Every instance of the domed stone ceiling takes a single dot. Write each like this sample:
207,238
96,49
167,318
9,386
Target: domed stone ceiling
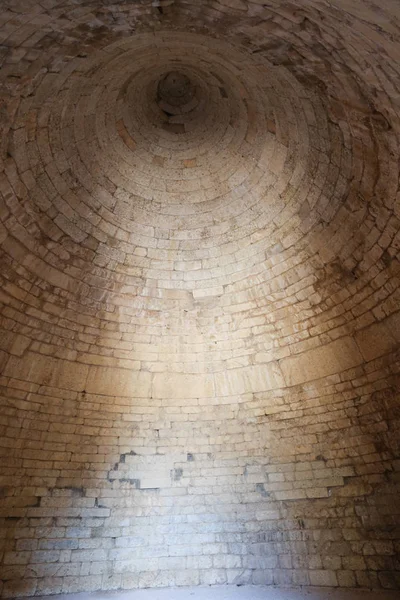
200,293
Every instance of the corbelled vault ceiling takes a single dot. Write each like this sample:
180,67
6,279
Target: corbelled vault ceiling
199,248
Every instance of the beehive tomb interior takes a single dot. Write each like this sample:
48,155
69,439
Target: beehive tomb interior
199,304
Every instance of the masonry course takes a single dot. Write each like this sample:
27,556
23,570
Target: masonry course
199,305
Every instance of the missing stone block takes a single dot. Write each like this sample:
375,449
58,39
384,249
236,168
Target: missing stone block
177,474
260,487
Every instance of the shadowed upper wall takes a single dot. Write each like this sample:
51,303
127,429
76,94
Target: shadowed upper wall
200,320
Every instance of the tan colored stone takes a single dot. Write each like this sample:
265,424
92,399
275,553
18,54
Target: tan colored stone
118,382
48,371
176,385
320,362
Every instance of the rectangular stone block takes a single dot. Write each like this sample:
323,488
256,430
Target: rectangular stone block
177,385
118,382
323,578
82,584
380,338
19,589
47,371
338,356
258,378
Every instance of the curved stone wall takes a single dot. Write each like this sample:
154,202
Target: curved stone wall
199,237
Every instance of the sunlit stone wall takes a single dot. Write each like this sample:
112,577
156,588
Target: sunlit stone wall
200,296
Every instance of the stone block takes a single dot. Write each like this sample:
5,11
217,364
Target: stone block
323,578
329,359
118,382
380,338
249,379
180,386
44,370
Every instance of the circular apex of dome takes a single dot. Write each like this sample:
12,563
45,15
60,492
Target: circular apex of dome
175,88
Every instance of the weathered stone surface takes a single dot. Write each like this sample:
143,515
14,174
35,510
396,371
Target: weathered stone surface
199,294
118,382
47,371
380,338
178,386
249,379
319,362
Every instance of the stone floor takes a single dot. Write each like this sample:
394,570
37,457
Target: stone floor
232,592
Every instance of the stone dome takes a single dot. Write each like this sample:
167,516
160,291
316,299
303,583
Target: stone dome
199,248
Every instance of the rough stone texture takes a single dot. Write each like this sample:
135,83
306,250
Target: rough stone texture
199,297
233,592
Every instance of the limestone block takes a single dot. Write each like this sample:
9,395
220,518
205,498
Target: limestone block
323,578
118,382
44,370
248,379
320,362
14,343
380,338
20,588
187,577
177,385
346,579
